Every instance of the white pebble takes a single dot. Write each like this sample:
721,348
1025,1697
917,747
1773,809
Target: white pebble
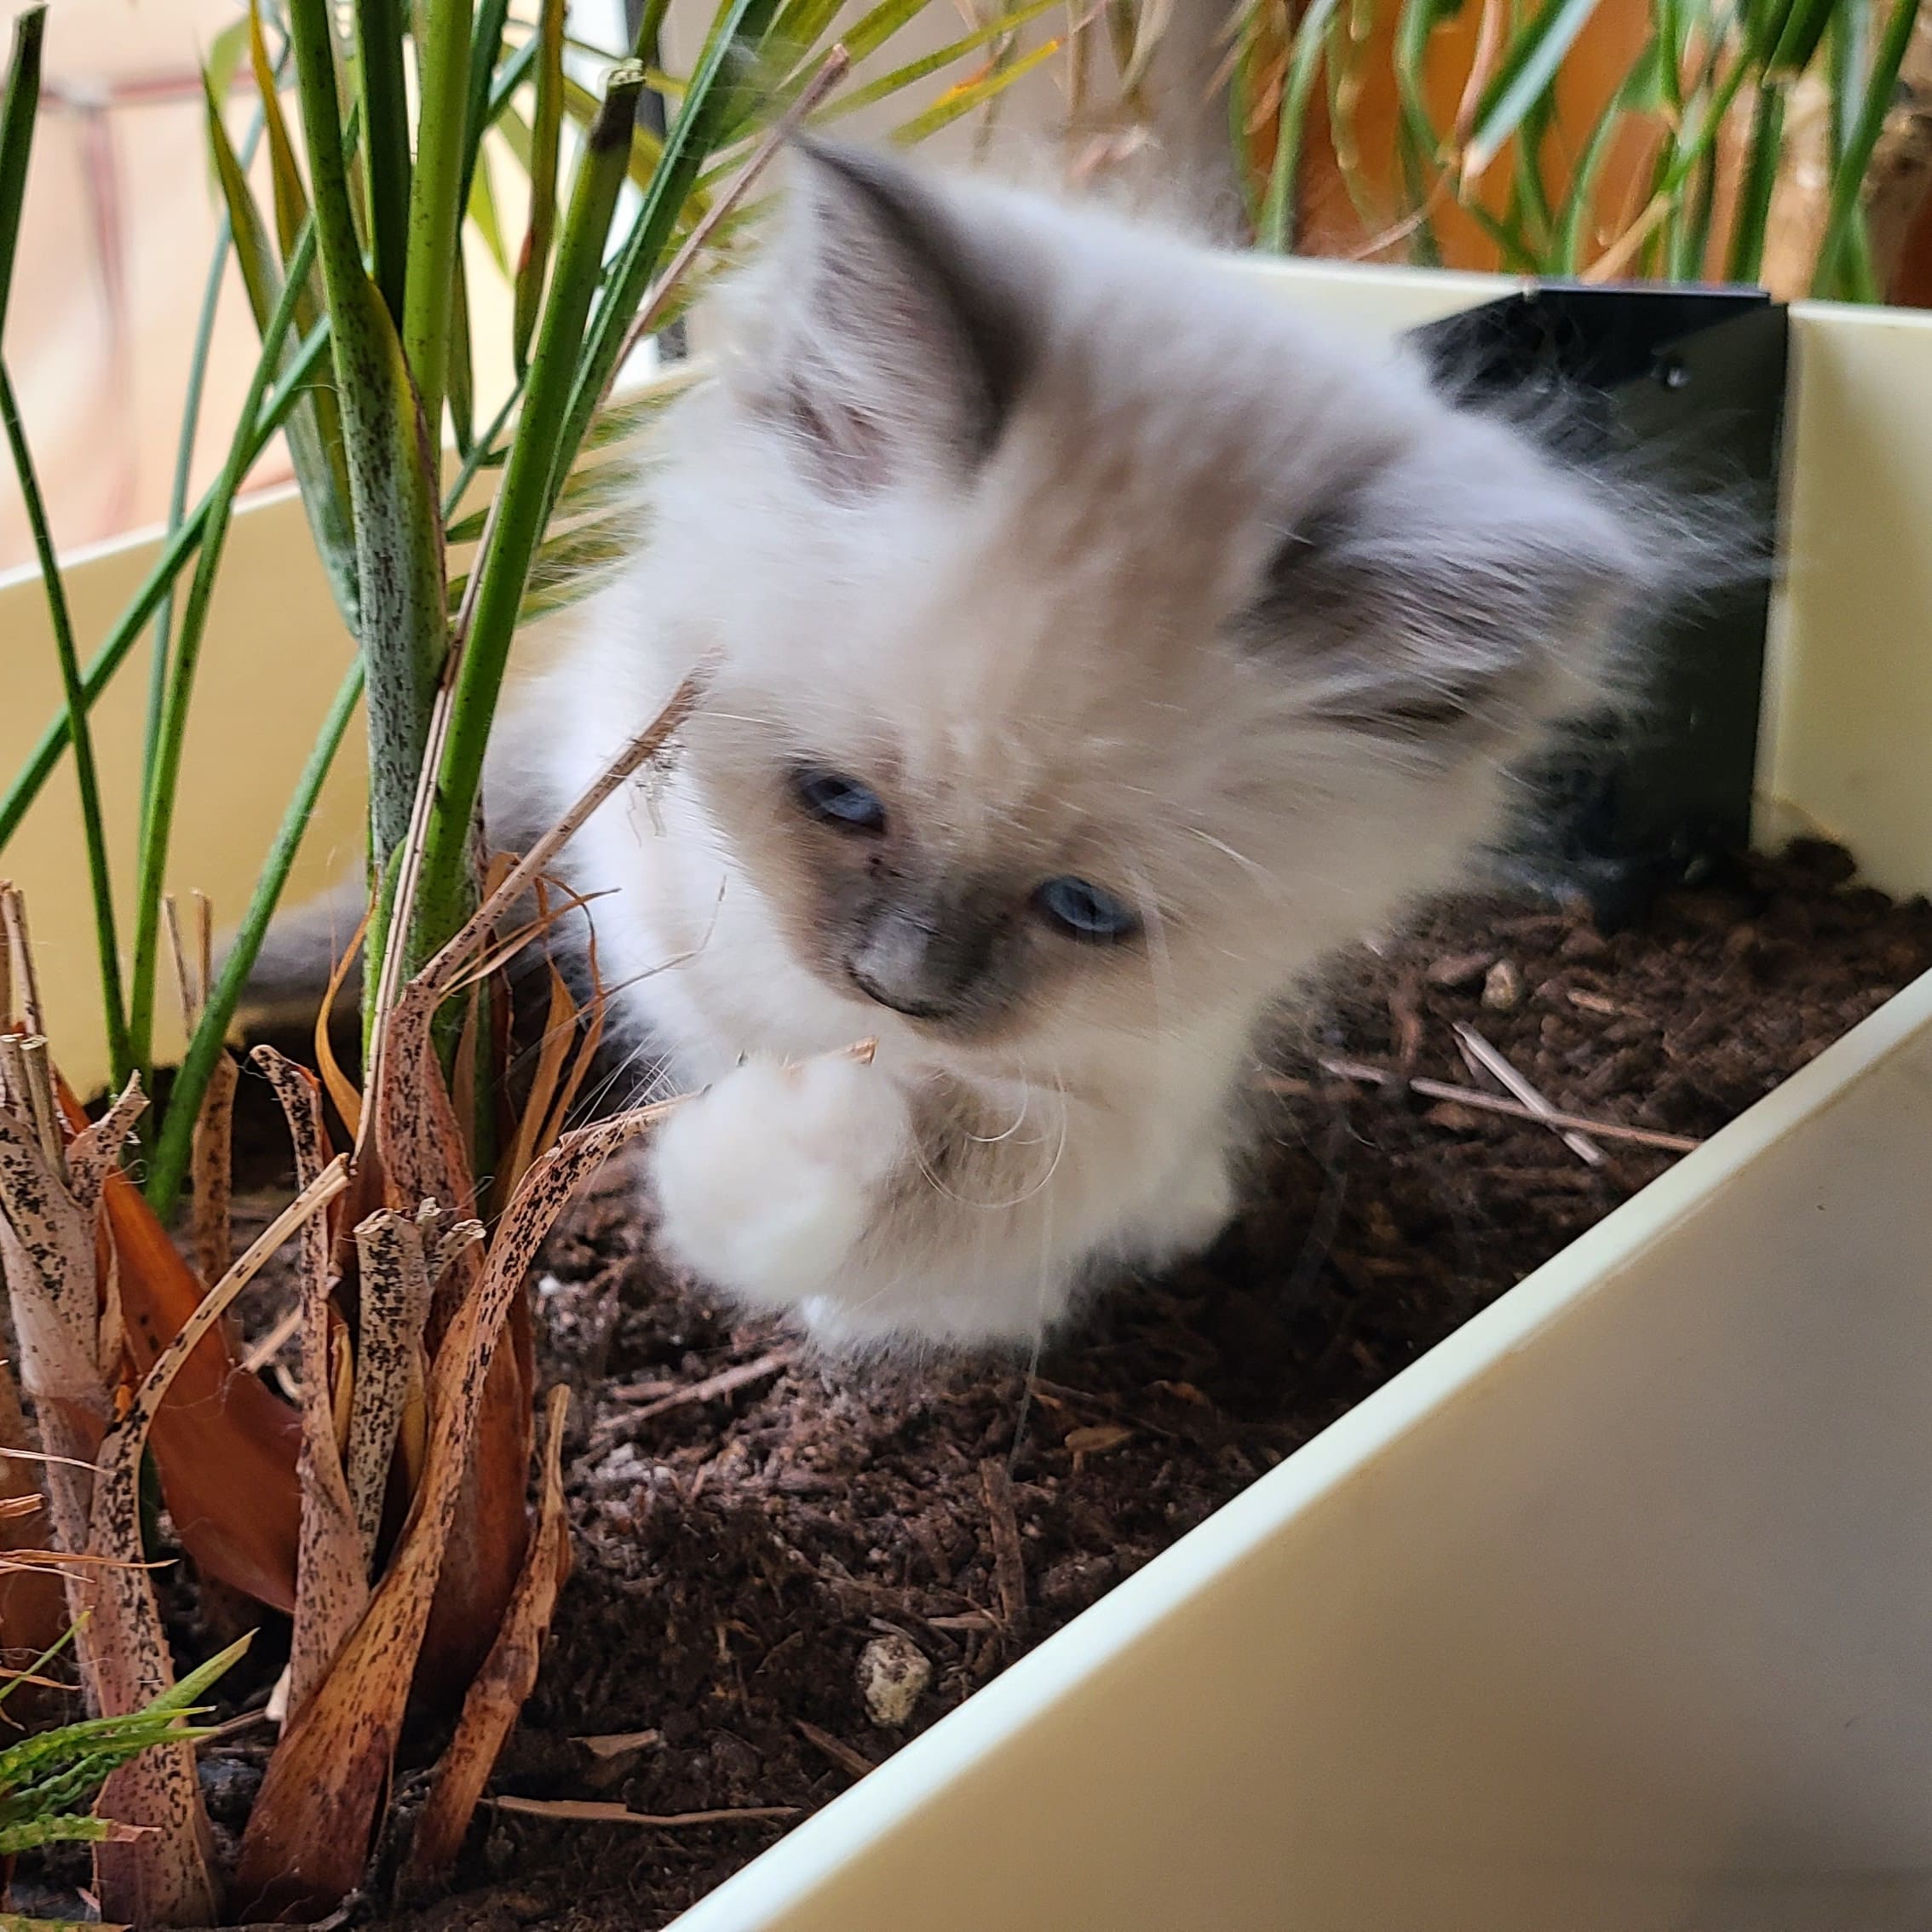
1503,988
893,1671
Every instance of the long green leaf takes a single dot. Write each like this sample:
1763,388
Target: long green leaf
158,814
537,455
1418,147
17,117
16,138
86,775
229,45
1528,67
486,50
546,134
1800,34
461,364
1276,231
319,470
385,123
958,102
483,214
436,198
900,79
1757,182
321,465
800,25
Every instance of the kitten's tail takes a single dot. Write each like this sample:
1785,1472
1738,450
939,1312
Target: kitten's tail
299,956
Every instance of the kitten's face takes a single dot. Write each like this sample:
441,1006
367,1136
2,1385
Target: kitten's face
1112,649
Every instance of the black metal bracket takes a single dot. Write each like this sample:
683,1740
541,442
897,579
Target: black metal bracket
1693,379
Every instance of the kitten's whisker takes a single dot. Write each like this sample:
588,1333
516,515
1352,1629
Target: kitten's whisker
1240,859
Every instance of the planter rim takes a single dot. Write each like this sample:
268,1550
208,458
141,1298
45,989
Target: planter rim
1314,1474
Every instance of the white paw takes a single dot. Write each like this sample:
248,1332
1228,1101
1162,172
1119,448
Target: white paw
766,1182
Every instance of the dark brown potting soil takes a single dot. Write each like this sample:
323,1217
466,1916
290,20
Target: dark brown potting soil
748,1522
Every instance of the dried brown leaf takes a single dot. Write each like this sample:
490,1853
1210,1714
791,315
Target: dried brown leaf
165,1876
307,1841
394,1281
559,1031
1009,1560
95,1151
47,1254
32,1607
332,1586
224,1445
507,1677
213,1163
341,1090
607,1745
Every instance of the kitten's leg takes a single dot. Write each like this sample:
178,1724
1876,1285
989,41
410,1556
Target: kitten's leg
886,1209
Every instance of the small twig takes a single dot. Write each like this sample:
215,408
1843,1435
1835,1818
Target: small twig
636,752
1618,257
1482,65
607,1745
184,977
1485,1058
273,1343
1009,1562
965,1620
840,1753
19,952
831,71
1488,1103
725,1382
592,1811
203,943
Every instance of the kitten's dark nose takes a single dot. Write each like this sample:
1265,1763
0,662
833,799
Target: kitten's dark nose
910,1004
926,958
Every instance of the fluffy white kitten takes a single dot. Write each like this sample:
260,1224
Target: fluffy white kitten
1099,646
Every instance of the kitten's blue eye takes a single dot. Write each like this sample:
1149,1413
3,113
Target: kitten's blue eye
840,802
1083,911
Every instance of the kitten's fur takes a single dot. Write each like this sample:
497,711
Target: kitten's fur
1090,559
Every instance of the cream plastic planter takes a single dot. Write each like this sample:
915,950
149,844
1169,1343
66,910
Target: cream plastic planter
1612,1614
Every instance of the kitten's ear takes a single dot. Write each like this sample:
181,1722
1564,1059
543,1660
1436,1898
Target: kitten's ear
887,348
1444,604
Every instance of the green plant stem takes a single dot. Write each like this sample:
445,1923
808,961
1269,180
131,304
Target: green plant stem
184,460
546,129
1276,229
159,806
17,117
436,199
176,552
175,1146
536,452
385,120
403,615
1756,184
86,775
